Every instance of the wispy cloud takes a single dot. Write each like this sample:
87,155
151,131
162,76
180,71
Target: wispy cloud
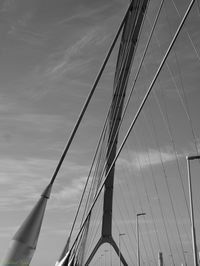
42,122
21,23
8,231
8,5
73,57
30,176
84,14
72,190
22,30
6,103
145,159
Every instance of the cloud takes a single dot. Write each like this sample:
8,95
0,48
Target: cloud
38,132
74,56
84,14
26,173
64,66
22,181
21,23
22,30
156,158
7,231
71,191
144,159
8,5
6,103
43,122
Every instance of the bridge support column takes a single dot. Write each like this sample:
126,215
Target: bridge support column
123,68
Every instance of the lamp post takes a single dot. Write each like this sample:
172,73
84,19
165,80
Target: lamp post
194,245
101,259
185,252
110,256
105,255
137,232
120,234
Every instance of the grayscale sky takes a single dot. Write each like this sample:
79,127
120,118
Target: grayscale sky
50,53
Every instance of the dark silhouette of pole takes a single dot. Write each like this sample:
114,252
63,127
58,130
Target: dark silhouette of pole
160,259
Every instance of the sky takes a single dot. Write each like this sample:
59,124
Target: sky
51,51
50,54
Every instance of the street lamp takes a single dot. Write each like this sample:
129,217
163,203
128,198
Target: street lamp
137,232
194,244
101,259
120,234
105,255
185,252
110,256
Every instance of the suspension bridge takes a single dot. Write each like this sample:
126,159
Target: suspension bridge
140,203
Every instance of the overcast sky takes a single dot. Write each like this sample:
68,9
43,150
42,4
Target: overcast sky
50,53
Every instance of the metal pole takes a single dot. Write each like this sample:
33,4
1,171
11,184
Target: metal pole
137,233
105,255
192,209
101,259
119,252
138,240
110,256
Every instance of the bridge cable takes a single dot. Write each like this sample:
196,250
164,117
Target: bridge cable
147,196
126,58
89,97
167,185
142,209
138,112
138,71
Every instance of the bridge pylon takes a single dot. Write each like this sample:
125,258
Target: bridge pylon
126,53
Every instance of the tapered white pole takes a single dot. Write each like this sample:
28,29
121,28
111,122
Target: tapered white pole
25,240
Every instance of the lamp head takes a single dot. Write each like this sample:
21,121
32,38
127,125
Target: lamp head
141,214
